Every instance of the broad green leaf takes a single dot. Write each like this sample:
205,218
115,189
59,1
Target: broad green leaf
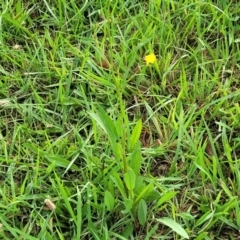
166,196
107,124
176,227
145,192
142,212
128,203
110,187
135,159
119,126
130,179
118,181
128,231
139,185
109,201
153,196
135,135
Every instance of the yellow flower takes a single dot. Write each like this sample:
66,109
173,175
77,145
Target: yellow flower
151,58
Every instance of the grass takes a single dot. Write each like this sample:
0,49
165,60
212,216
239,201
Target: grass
95,144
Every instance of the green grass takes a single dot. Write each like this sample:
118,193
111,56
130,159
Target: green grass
123,150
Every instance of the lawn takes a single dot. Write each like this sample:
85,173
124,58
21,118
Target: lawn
119,119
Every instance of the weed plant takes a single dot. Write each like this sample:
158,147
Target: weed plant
119,119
